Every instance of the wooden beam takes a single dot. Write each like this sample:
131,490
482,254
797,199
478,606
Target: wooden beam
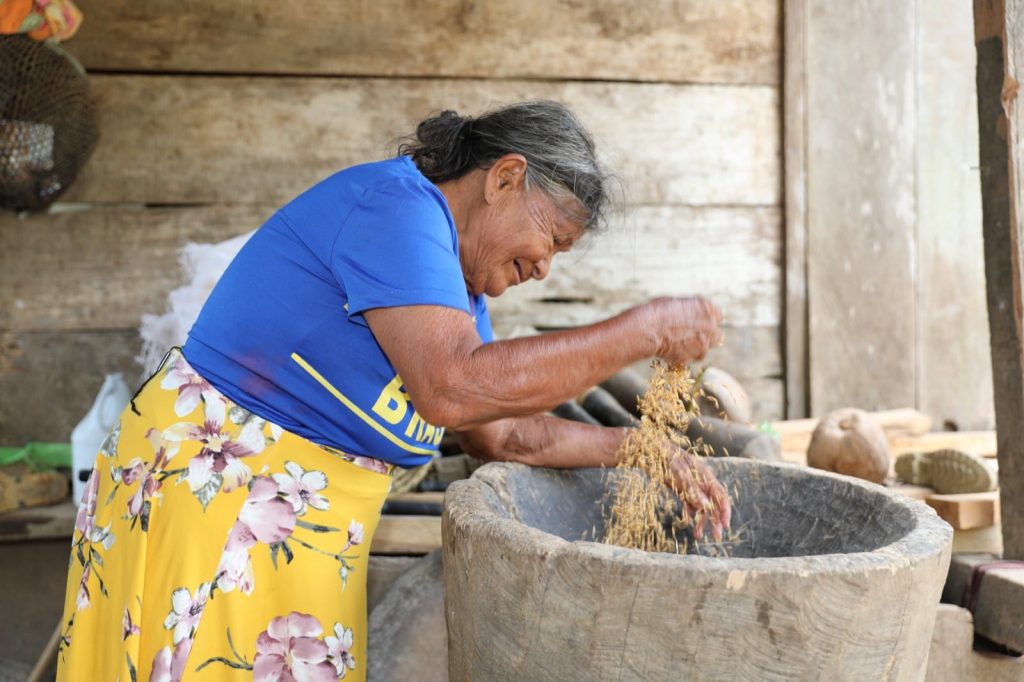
397,534
981,443
727,41
795,434
197,140
794,133
39,523
967,511
999,37
860,203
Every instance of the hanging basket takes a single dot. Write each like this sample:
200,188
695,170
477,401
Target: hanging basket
47,123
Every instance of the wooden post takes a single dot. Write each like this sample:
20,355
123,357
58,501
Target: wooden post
999,38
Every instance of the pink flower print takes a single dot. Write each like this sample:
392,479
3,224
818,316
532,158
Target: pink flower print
186,611
289,649
149,476
370,463
355,533
133,471
340,648
219,461
108,448
82,600
190,386
302,488
101,536
267,516
148,486
127,627
169,667
86,516
235,568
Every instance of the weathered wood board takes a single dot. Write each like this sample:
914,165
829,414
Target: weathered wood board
730,255
795,434
728,41
102,268
860,203
48,380
398,534
111,264
981,443
967,511
794,121
39,523
954,371
213,154
999,37
181,140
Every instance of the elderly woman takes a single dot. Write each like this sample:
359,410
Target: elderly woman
228,520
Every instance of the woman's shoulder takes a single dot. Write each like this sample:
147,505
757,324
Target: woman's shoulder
393,187
399,178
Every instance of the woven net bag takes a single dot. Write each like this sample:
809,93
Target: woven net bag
47,123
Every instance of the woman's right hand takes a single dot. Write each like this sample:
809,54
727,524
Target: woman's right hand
686,328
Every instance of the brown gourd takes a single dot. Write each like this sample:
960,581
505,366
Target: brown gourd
850,442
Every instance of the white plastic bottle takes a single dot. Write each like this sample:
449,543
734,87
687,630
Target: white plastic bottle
88,436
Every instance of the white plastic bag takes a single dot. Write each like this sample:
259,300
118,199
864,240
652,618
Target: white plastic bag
88,436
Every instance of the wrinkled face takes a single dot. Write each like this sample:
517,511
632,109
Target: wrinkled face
513,238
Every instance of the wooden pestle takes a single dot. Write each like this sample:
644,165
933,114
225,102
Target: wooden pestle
605,408
626,386
728,439
571,410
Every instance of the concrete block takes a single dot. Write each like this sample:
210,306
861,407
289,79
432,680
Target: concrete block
952,658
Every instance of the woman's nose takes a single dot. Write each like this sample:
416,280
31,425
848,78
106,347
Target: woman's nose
541,269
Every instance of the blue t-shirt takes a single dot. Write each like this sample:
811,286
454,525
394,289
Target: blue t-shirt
283,334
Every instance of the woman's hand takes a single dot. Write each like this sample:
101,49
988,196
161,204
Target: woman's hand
704,498
687,328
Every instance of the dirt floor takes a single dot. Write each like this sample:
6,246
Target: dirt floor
32,576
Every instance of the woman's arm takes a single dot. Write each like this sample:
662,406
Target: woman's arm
547,441
456,381
543,440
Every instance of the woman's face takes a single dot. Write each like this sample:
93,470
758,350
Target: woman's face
512,234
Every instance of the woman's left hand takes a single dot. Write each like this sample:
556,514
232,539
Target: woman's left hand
705,499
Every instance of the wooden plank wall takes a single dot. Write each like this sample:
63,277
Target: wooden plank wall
211,114
881,131
954,371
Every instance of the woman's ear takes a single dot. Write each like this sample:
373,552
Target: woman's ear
507,175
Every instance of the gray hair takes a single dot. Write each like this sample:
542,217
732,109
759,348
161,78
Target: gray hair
559,152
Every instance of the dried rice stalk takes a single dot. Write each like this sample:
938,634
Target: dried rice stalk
644,507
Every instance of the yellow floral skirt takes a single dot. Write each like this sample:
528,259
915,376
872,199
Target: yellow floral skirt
212,544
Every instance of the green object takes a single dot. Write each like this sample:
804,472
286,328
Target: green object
766,427
39,456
